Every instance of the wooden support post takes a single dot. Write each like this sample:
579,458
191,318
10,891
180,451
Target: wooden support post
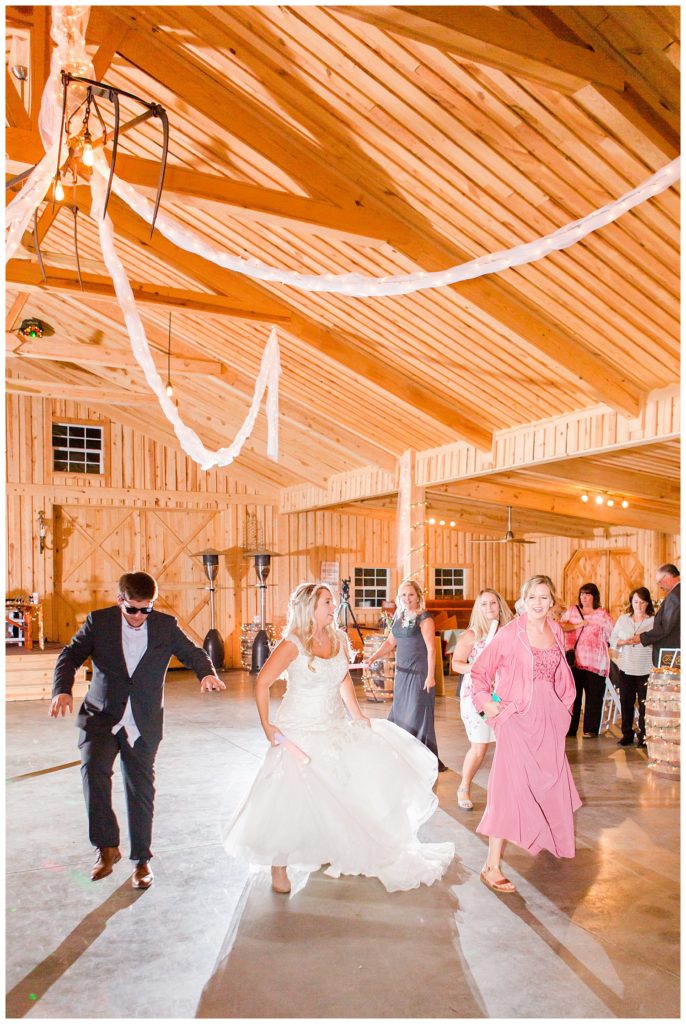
411,523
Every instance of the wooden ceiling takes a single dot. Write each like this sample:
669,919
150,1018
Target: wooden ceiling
380,140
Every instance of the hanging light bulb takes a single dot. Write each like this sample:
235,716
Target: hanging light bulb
599,499
584,498
58,191
169,389
441,522
452,522
625,504
610,503
87,155
432,522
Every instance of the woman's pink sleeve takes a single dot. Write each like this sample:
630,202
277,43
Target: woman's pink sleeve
483,671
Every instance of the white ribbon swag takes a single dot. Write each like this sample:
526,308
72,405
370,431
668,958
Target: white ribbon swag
68,33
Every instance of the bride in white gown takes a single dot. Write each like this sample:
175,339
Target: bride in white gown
359,800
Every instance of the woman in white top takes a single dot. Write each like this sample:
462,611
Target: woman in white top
489,613
635,663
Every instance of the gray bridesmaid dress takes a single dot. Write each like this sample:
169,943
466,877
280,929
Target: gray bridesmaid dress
413,707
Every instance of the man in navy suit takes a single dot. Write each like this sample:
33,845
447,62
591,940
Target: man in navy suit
130,646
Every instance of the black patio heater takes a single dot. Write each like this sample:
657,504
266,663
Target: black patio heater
260,646
213,643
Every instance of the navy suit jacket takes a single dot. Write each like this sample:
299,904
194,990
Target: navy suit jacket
666,631
111,686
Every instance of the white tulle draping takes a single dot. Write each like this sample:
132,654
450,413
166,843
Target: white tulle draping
270,367
360,286
68,33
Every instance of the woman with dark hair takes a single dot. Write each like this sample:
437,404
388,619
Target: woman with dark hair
635,662
587,629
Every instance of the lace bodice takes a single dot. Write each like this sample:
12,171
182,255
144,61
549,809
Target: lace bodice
312,698
546,660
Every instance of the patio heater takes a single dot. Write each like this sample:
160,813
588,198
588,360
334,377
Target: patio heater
213,643
260,646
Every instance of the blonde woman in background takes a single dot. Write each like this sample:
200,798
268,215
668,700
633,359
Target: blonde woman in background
490,611
531,793
414,689
335,788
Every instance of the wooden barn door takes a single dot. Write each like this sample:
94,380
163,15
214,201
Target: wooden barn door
95,545
615,571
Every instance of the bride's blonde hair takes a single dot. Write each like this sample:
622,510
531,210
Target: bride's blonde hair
301,624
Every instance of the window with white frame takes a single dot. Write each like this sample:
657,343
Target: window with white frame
77,448
450,582
371,587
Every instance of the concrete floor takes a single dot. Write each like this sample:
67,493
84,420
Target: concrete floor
595,937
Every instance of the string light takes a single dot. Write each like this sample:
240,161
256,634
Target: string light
58,191
604,499
359,285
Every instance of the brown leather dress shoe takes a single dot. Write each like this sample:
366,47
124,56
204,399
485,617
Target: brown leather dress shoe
142,876
107,858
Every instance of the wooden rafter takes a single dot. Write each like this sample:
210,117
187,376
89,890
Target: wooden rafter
267,134
490,37
554,502
27,276
63,350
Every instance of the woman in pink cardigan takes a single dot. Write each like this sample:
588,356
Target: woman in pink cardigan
531,794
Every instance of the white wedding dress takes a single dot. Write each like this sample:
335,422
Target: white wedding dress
357,805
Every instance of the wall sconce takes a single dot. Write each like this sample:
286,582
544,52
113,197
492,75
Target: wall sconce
42,530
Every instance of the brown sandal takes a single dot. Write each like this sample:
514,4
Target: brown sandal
500,886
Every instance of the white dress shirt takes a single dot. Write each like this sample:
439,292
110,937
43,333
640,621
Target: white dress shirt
634,660
134,642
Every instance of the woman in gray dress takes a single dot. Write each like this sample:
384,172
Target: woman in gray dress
414,690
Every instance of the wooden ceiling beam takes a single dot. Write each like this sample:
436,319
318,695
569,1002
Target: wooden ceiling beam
77,392
12,320
497,40
40,54
581,473
196,188
253,202
62,349
27,275
565,505
291,151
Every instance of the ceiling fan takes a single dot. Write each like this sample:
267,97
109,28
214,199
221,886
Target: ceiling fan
509,537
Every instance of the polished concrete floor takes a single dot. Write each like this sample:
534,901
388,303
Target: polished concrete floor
594,937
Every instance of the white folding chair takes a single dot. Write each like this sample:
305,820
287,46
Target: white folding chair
611,707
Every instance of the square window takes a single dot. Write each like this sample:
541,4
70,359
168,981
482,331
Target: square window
371,587
450,582
77,448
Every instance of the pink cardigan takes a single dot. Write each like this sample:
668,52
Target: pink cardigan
509,660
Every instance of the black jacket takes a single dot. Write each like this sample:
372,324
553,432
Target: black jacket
666,631
111,686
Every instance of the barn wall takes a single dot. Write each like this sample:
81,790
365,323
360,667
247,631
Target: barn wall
155,509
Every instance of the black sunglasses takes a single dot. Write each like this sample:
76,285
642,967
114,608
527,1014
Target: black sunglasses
137,611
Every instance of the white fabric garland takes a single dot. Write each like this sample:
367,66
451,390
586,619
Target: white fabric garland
360,285
68,32
270,367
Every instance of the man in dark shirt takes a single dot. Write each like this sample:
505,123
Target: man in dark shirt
666,631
